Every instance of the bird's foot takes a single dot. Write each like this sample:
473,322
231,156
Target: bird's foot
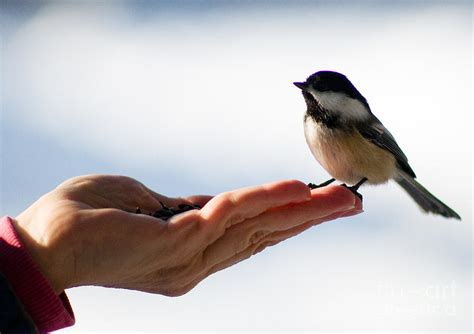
315,186
355,187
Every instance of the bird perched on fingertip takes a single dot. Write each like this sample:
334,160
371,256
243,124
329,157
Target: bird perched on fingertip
352,145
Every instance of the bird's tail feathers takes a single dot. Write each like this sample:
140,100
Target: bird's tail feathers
426,200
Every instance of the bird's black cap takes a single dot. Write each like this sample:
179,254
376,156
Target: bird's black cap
325,81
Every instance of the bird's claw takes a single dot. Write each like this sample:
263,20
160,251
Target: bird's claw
353,190
312,186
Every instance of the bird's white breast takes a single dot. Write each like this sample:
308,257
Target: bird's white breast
346,155
317,137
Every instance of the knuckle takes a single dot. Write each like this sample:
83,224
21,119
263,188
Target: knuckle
229,205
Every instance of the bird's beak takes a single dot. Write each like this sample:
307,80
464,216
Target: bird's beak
301,85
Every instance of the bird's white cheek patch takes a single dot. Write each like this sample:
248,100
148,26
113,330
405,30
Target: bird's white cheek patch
339,103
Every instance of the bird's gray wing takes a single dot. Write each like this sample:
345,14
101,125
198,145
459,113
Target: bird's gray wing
378,134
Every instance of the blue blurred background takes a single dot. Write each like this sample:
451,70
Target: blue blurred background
196,97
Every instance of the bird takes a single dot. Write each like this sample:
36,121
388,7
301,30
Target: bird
353,145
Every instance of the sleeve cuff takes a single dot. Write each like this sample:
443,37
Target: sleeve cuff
48,311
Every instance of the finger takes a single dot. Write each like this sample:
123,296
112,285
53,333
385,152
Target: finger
230,208
243,255
235,206
238,238
264,241
257,247
286,234
324,203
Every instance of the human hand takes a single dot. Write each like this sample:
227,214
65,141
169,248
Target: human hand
85,231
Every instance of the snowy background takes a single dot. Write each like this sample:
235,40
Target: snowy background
197,97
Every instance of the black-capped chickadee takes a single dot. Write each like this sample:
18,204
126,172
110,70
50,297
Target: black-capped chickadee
352,144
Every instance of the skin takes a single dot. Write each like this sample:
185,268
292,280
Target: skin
85,231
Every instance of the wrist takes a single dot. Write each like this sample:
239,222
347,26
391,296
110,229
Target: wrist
38,245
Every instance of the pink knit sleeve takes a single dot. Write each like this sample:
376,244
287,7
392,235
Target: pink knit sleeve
48,311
